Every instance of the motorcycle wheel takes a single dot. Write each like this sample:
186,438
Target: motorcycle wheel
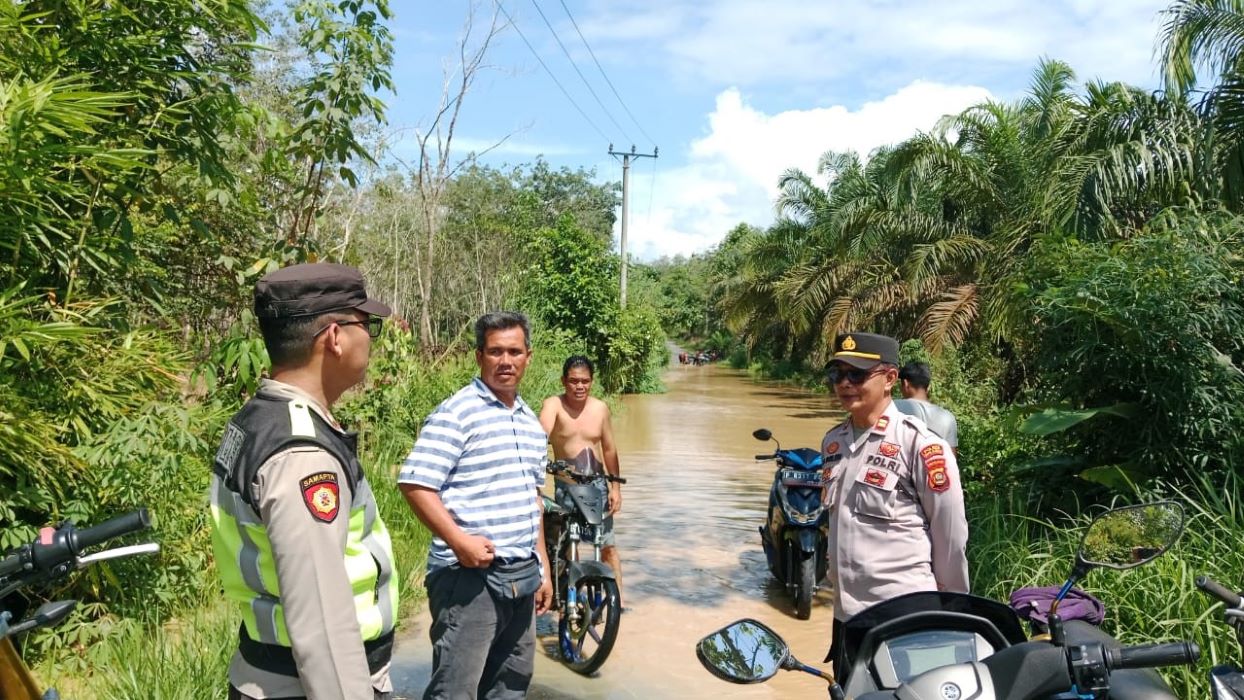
586,643
805,587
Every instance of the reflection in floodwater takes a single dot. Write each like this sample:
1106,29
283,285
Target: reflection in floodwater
689,541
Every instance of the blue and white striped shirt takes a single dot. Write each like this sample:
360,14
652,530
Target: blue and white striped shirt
486,461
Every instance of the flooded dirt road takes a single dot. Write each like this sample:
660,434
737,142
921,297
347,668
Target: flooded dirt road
687,535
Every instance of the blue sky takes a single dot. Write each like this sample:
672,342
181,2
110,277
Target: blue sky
736,91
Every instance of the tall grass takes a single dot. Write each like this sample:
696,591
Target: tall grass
1152,603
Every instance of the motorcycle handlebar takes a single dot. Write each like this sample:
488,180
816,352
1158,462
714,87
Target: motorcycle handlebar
769,456
1154,655
118,526
1219,591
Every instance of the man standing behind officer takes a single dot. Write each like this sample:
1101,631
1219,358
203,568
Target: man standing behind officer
896,517
295,528
914,379
474,479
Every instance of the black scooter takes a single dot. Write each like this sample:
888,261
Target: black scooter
952,646
795,530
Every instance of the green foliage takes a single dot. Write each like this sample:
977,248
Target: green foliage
1155,324
572,289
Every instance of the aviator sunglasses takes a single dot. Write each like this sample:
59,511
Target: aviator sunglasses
854,375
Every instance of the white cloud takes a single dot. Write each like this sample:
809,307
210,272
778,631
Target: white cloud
744,42
731,173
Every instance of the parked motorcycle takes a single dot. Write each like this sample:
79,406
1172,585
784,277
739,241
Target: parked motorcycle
1227,680
948,646
795,529
585,589
55,554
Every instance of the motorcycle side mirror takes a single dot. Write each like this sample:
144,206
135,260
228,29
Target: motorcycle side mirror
1124,538
762,434
47,614
744,652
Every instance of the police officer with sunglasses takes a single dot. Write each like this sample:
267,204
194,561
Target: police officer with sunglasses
895,500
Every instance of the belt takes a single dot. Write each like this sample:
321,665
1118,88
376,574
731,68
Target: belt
509,561
275,658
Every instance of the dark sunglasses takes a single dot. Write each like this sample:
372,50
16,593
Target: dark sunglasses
854,375
373,324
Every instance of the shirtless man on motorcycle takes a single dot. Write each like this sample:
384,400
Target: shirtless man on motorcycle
581,433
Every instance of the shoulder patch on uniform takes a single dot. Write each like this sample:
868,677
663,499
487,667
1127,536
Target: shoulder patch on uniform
931,451
322,495
832,447
230,447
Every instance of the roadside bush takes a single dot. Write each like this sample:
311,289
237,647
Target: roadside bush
1153,329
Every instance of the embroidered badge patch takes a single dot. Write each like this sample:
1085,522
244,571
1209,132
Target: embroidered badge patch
888,449
931,451
831,447
874,477
322,495
935,465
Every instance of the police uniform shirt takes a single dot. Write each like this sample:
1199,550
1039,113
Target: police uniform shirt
896,516
315,589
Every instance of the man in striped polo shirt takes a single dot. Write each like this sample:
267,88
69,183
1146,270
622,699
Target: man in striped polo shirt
474,479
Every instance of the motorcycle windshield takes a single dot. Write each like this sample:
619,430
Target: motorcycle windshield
1000,615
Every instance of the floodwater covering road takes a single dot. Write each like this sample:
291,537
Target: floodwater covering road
687,535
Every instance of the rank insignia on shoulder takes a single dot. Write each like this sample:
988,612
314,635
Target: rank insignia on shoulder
882,423
888,449
322,496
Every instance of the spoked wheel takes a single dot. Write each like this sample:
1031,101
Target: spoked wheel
587,639
805,587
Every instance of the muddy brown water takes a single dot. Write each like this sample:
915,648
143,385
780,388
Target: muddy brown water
687,535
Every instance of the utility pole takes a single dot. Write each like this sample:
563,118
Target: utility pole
626,179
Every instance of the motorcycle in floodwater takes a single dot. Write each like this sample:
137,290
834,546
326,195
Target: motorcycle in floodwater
55,554
585,590
795,531
953,646
1227,680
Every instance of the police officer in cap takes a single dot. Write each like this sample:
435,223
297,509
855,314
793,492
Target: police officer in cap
298,541
895,501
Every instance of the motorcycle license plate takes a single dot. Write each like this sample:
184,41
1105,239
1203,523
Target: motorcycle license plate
799,477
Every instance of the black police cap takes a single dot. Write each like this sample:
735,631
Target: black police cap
865,350
312,289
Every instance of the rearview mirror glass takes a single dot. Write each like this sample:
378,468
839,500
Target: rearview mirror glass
1122,538
744,652
762,434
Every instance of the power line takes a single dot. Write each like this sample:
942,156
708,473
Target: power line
604,75
546,70
575,65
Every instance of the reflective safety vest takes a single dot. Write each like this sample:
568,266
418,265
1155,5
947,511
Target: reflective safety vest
265,426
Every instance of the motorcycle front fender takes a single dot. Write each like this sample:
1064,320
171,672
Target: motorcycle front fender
580,570
806,538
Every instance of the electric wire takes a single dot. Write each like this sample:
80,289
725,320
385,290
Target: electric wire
549,72
575,65
604,75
